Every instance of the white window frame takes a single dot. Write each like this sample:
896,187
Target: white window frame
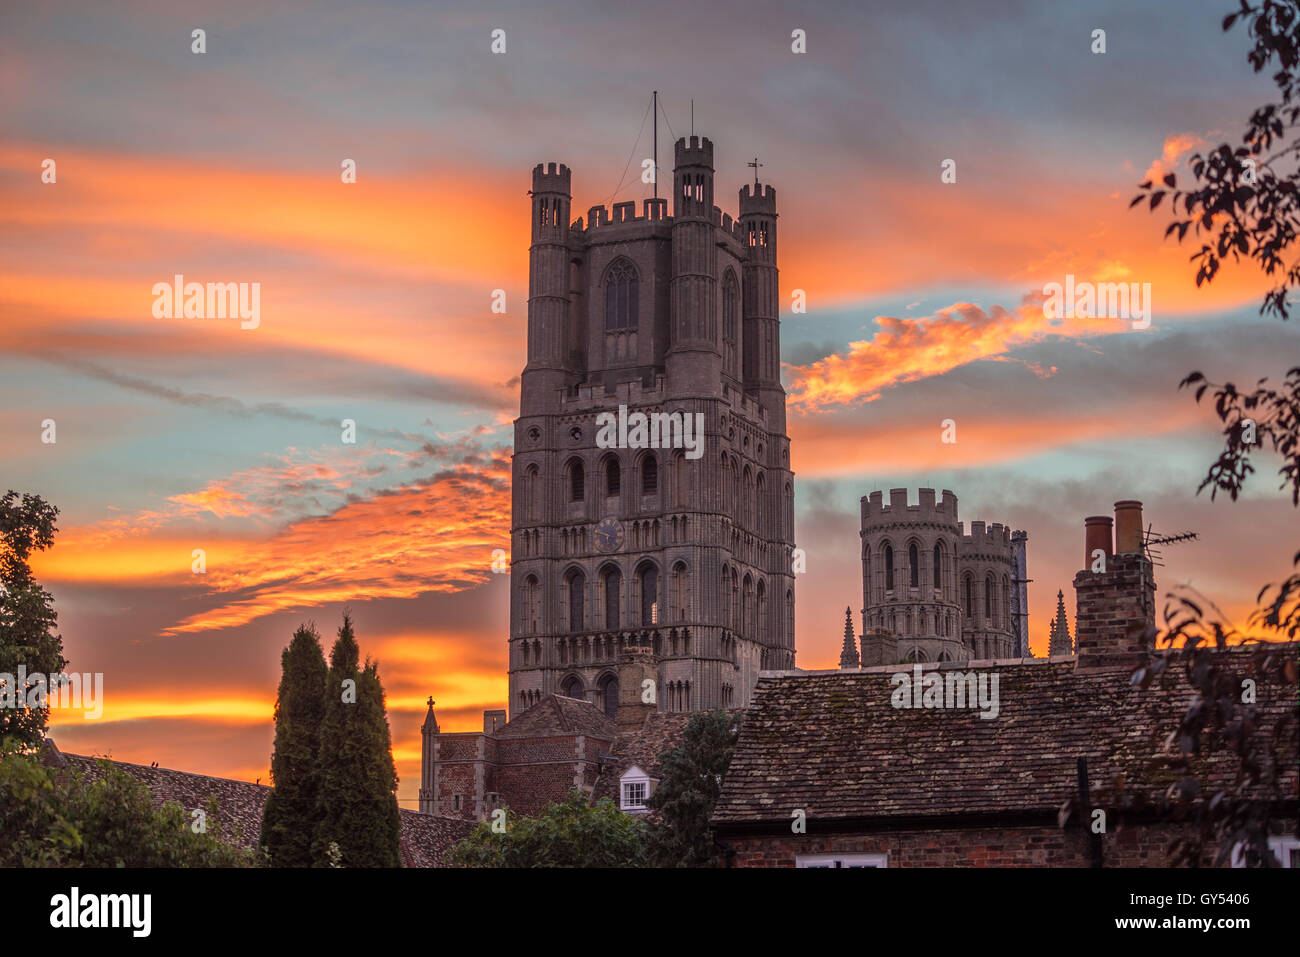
629,778
841,860
1281,847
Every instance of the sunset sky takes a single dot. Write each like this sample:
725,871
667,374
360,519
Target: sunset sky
924,303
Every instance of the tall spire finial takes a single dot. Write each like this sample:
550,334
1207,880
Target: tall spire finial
1059,641
849,656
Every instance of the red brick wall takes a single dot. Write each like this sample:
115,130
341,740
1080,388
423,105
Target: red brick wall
527,773
1113,610
1134,846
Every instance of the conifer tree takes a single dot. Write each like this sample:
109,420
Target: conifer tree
357,798
690,782
28,645
290,818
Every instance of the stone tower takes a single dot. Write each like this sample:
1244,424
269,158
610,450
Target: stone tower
938,593
679,548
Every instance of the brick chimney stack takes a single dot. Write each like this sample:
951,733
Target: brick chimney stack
1114,617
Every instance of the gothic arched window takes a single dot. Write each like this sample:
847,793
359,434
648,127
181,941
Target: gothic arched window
620,296
730,320
613,584
577,609
938,567
889,568
966,588
531,604
609,695
867,590
913,567
577,481
530,509
649,475
989,610
649,595
747,607
680,597
572,688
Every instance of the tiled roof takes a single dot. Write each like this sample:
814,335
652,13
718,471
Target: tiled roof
831,744
661,732
239,803
556,715
425,838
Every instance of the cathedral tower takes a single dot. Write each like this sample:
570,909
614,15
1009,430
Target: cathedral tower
673,542
930,591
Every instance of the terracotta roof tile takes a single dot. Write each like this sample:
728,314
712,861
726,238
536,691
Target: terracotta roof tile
425,838
831,744
557,715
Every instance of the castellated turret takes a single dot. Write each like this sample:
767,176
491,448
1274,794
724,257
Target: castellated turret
680,547
930,590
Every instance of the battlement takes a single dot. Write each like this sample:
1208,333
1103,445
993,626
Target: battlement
748,408
554,178
761,202
876,512
696,151
654,210
996,537
594,397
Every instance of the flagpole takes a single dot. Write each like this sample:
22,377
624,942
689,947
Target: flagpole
656,139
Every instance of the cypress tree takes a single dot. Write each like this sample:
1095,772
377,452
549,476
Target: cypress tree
289,820
357,799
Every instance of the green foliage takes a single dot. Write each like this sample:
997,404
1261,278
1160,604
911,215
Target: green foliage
291,815
27,616
1244,202
571,833
357,796
689,784
69,819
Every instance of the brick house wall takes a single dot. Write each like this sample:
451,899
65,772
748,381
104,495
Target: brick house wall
1044,845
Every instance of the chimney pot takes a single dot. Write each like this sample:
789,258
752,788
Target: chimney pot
1096,534
1128,527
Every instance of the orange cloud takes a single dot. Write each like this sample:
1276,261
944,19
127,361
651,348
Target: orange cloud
905,350
1176,146
435,534
116,223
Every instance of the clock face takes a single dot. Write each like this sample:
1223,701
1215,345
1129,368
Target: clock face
609,535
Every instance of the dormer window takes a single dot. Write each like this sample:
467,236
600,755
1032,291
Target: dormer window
635,788
634,795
